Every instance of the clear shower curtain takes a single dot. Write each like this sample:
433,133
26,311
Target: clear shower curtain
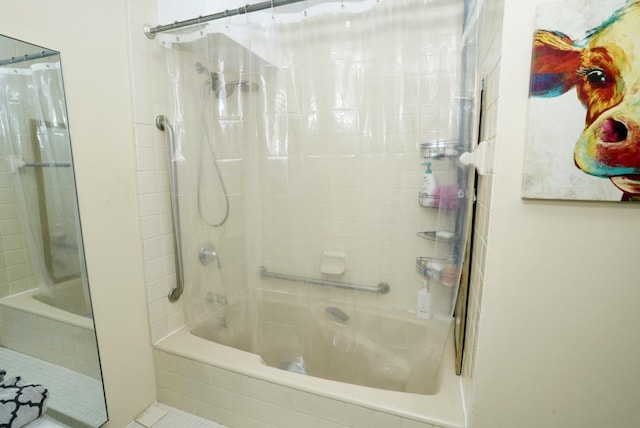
35,147
306,125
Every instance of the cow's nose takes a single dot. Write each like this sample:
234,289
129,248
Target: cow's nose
612,131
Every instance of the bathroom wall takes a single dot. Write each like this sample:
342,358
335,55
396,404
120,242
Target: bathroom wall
556,336
151,97
91,37
345,178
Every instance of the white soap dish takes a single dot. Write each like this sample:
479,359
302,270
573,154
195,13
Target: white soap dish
333,263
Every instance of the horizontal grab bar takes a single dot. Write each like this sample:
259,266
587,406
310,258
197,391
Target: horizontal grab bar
47,164
16,164
382,287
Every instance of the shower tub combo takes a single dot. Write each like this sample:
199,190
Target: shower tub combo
316,146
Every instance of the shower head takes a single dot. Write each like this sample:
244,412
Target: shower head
226,90
213,77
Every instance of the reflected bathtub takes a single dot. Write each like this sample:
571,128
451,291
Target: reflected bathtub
344,364
33,327
68,296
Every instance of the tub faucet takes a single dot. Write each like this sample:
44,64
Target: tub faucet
208,254
337,314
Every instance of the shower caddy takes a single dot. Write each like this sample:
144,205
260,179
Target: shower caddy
442,270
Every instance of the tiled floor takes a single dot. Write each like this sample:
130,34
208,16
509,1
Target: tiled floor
46,422
170,417
73,395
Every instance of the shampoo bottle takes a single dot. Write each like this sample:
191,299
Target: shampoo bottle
424,302
427,187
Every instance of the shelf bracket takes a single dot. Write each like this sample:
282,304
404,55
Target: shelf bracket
481,158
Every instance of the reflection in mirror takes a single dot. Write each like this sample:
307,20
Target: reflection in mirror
47,335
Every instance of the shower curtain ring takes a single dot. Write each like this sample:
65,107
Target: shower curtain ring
246,12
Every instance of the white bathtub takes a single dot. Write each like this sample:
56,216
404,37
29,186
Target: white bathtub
435,400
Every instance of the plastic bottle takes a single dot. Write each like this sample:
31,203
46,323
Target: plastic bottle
423,309
448,274
427,187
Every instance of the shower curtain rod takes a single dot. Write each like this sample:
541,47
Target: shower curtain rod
27,57
151,31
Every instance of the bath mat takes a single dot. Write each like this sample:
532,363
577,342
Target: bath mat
21,403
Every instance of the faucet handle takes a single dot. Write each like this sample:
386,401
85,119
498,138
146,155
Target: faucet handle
208,254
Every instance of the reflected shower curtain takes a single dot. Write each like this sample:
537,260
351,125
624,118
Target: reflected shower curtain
299,133
35,149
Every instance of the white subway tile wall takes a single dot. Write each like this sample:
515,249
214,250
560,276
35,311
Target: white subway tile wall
150,92
489,44
16,272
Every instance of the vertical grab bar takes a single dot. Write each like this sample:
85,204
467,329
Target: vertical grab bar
162,123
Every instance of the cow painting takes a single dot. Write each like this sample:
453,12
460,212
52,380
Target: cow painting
603,71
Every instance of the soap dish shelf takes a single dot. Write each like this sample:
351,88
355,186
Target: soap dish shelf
440,149
446,202
438,235
439,270
426,266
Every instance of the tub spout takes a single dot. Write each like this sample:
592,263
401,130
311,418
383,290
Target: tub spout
337,313
221,322
219,299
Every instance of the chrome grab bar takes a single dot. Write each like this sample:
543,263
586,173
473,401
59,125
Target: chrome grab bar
47,164
381,288
162,123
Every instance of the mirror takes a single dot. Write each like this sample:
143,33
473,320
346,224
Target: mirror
47,335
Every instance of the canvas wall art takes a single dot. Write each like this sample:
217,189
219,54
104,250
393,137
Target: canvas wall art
584,102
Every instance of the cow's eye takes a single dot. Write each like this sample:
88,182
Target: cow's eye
595,76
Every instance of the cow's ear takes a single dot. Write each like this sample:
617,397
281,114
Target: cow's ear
555,61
